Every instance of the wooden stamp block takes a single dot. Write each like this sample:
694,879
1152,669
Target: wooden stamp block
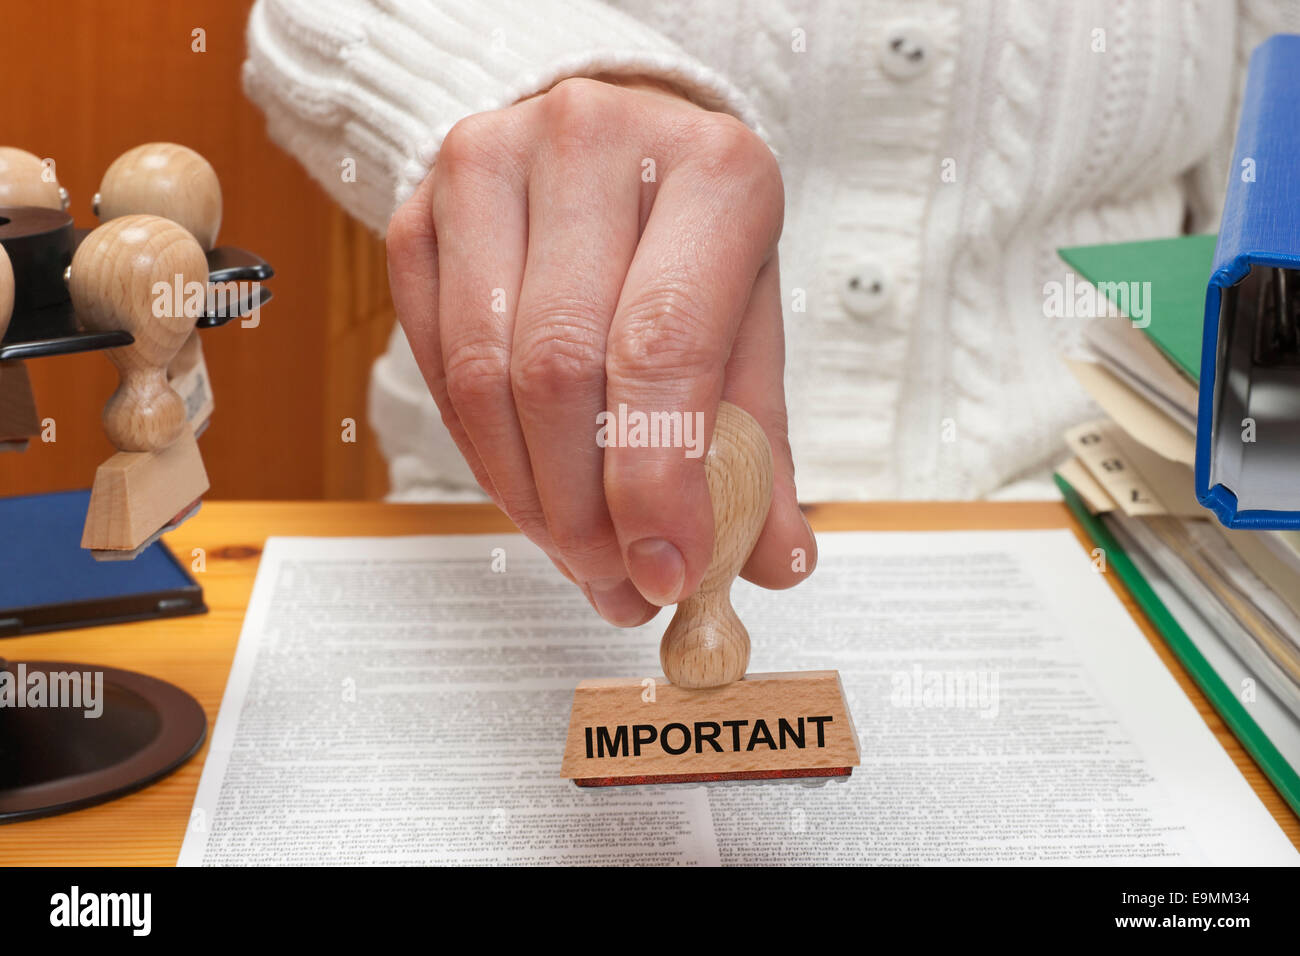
136,493
626,731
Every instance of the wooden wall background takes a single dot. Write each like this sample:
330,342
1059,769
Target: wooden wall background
85,80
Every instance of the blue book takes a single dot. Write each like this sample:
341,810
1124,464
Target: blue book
49,582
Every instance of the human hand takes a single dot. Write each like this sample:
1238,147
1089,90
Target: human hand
603,245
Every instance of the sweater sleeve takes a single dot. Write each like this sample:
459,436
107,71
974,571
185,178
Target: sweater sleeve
362,92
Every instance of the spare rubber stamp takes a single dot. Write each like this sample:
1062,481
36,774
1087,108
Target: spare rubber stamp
709,721
157,477
73,290
175,182
24,181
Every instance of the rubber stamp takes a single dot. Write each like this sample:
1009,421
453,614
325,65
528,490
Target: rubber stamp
707,720
157,477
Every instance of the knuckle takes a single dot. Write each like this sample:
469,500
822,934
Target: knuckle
764,181
663,337
728,142
565,350
405,228
409,241
576,100
585,546
464,144
476,377
577,108
731,152
477,147
525,511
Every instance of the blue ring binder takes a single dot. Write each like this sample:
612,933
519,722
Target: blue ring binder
1248,413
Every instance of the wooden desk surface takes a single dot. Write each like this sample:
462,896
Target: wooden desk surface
146,828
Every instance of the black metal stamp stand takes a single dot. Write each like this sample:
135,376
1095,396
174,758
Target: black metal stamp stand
54,759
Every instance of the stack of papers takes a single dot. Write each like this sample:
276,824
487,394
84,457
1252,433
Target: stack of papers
1228,602
406,700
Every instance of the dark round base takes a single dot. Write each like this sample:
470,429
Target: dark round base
56,759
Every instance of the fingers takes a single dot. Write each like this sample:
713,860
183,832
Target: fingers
412,246
786,550
583,213
714,223
480,207
558,287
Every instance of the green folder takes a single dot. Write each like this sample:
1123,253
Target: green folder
1239,721
1178,270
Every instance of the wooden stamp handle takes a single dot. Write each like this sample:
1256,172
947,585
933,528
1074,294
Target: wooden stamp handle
139,273
706,645
25,181
167,180
6,292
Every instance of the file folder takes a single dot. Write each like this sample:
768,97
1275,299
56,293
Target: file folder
1248,413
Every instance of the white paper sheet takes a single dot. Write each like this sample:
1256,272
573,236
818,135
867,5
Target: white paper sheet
399,700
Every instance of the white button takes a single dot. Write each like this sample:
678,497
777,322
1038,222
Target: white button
907,51
865,290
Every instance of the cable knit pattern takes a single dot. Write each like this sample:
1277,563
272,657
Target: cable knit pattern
984,339
936,153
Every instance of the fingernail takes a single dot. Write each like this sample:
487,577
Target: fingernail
658,570
618,601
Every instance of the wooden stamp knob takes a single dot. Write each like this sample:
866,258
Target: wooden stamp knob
139,273
163,179
24,181
6,291
706,645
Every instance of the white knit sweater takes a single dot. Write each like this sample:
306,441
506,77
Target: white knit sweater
936,153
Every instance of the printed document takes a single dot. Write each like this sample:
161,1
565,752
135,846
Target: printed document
405,701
